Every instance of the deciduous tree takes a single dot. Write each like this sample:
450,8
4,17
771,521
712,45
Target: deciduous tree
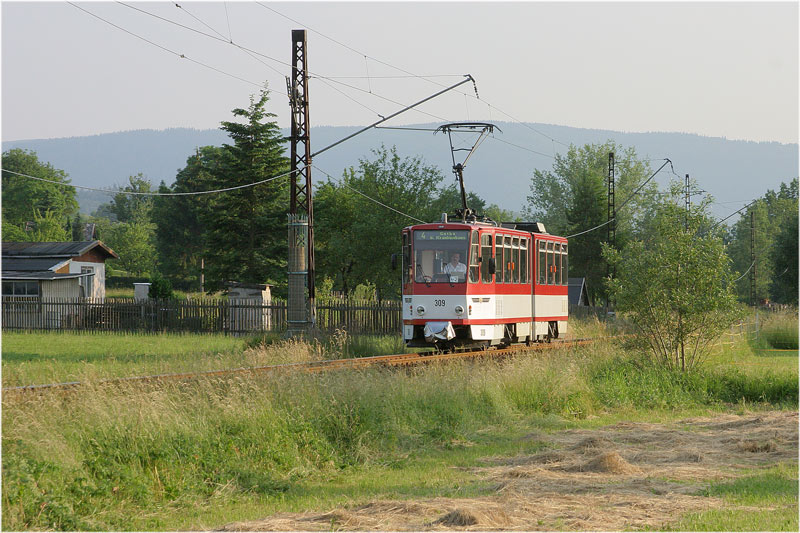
357,236
573,197
785,257
24,197
676,286
770,214
131,207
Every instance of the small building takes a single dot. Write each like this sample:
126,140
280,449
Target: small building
55,269
249,309
577,294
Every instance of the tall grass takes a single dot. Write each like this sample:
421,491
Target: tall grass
780,331
140,455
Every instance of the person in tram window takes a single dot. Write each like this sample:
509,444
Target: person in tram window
455,267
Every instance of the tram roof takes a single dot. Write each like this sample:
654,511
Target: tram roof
523,228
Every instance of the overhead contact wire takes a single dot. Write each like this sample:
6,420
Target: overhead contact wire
341,182
748,270
250,51
634,193
164,48
426,78
133,193
228,40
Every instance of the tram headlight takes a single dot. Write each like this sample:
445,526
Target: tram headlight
420,309
459,310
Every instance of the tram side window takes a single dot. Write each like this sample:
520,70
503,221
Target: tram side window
486,254
542,263
515,264
557,264
551,263
508,259
474,267
564,265
498,257
523,260
406,259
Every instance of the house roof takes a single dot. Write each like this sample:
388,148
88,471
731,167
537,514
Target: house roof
576,291
54,249
32,264
15,275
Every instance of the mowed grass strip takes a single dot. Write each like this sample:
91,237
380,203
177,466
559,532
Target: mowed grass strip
199,454
760,501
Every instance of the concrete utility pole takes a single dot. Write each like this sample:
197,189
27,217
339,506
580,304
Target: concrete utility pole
612,218
688,201
302,312
753,300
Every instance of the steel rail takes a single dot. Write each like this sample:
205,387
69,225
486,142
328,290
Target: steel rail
396,360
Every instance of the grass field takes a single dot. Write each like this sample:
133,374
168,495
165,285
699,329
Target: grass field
761,500
32,358
202,454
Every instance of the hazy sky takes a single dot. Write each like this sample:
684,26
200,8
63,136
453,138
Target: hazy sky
718,69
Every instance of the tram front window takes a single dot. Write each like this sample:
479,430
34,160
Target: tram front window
440,256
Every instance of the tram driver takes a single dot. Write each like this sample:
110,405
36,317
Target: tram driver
455,267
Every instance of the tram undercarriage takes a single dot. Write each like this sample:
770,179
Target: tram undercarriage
446,336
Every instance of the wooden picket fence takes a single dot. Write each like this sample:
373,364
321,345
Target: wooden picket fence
207,315
202,315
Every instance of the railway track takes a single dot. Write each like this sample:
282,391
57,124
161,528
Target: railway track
409,359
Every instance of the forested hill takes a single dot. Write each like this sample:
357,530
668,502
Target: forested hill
499,171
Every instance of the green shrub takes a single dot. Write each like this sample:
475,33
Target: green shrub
160,287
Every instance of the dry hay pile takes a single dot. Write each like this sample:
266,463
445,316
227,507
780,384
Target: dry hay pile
481,516
625,476
609,463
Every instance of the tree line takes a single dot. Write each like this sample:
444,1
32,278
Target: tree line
241,235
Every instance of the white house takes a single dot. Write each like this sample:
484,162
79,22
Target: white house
55,269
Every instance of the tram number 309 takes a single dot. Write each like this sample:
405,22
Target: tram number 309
438,303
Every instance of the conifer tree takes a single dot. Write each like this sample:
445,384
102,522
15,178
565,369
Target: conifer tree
246,228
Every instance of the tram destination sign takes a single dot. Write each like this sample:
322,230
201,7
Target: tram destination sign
441,235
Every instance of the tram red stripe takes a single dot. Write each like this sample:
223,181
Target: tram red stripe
483,321
484,289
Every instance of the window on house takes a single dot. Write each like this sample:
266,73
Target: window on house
87,282
21,288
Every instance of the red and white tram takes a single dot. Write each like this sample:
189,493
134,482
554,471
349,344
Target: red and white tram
482,284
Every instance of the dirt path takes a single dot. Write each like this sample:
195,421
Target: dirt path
628,475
